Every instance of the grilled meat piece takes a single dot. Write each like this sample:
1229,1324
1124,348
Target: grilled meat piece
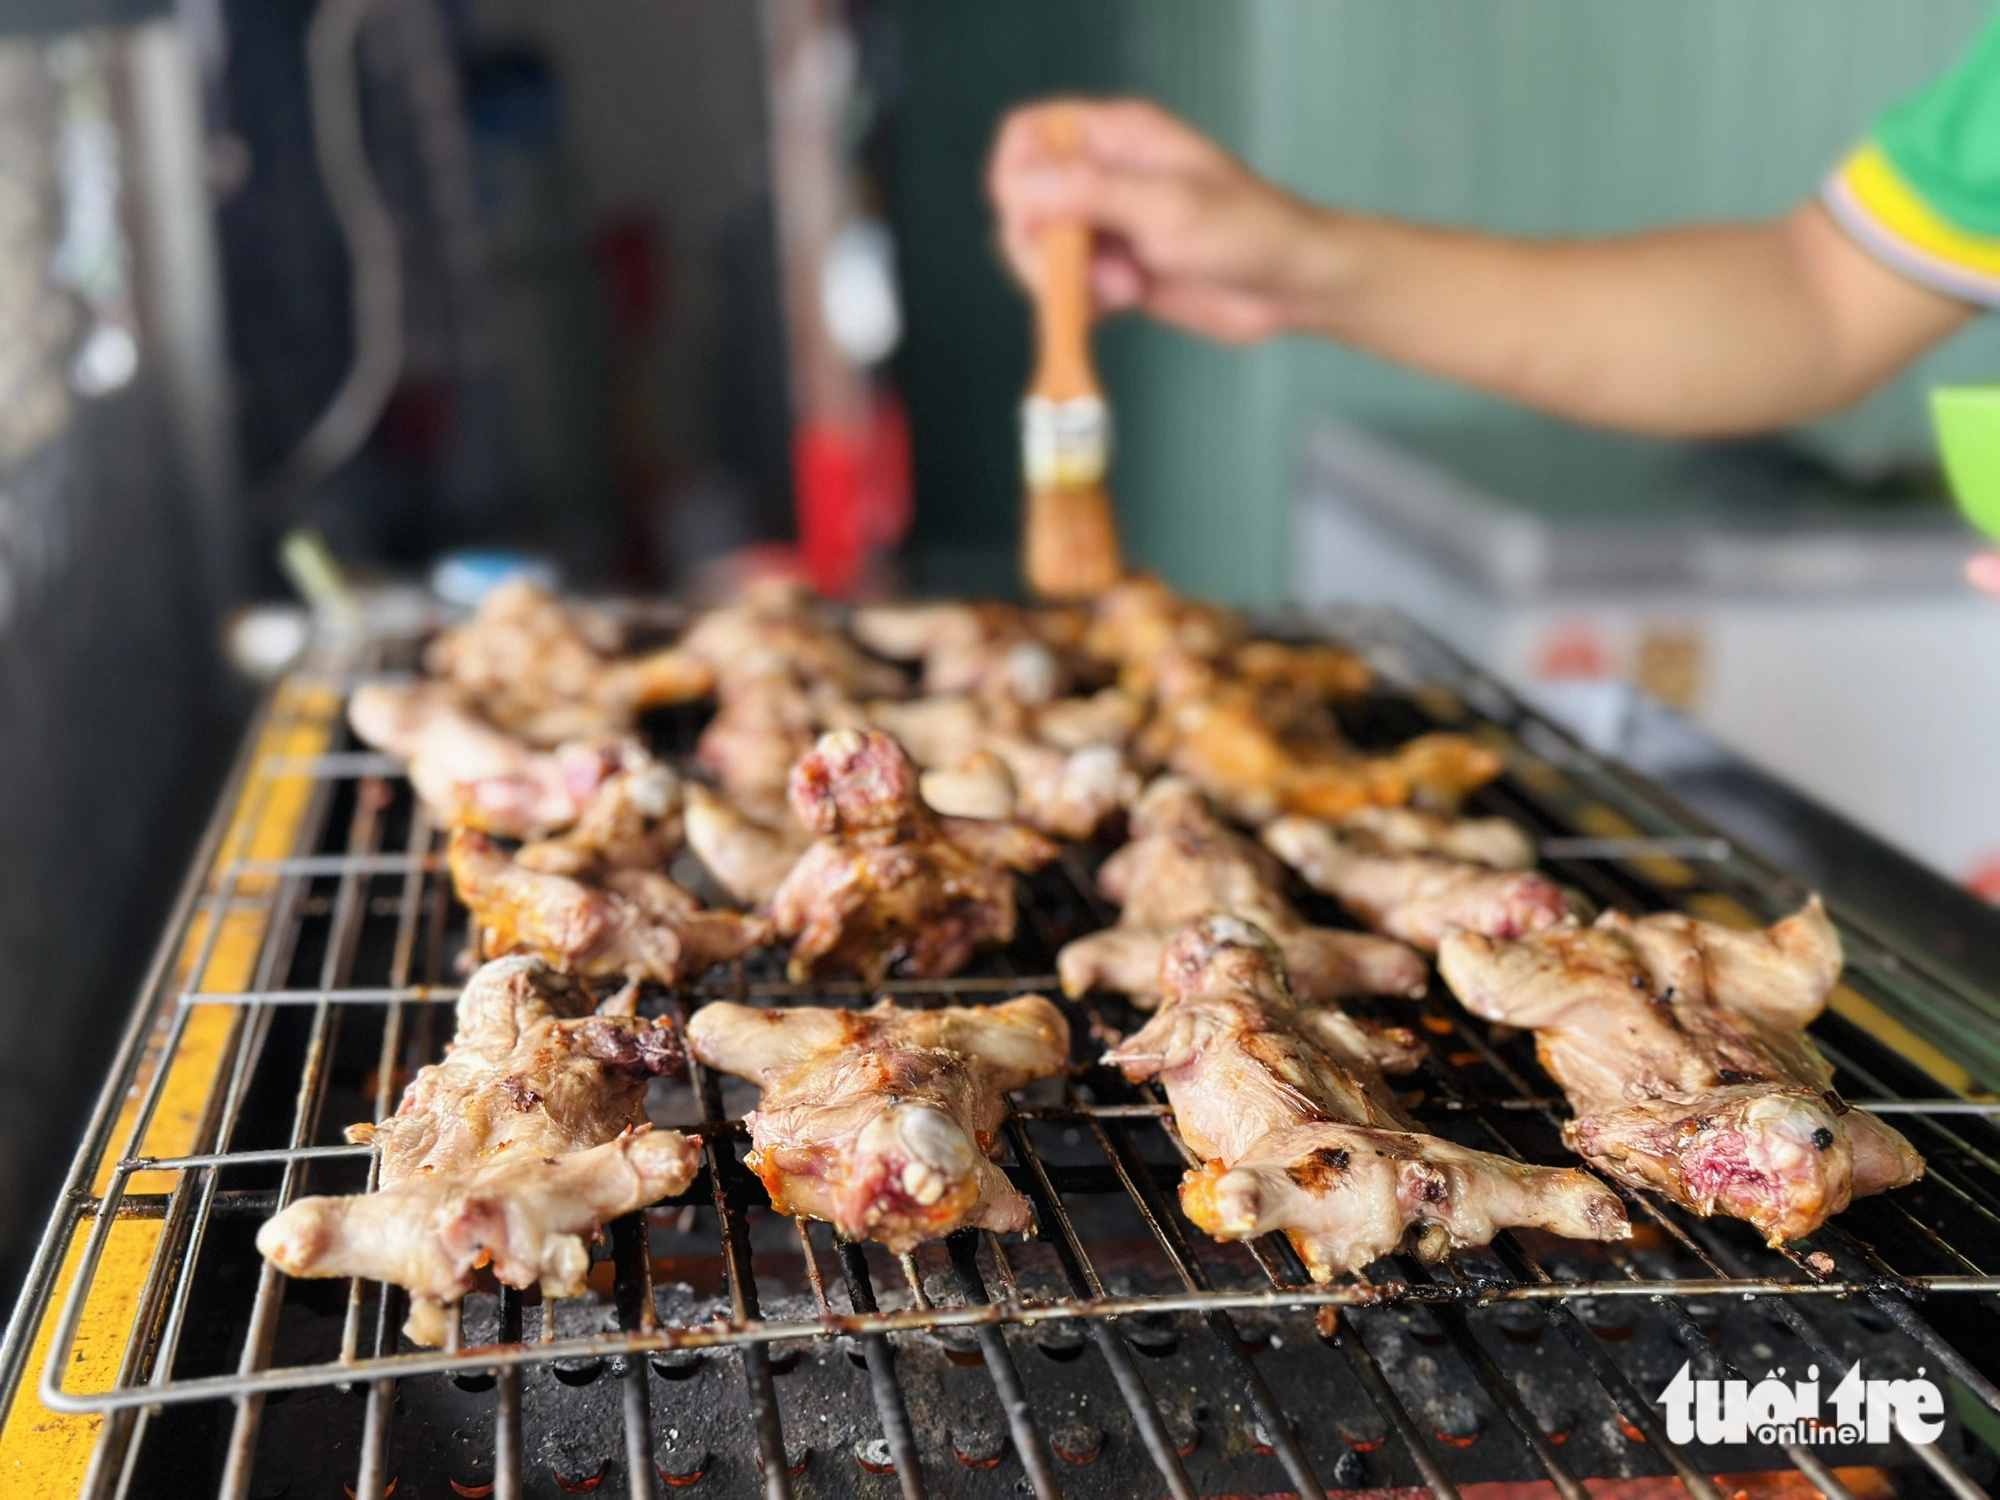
528,1217
550,673
531,1072
981,786
464,768
766,718
490,1151
1494,842
1066,793
749,853
635,924
1287,1107
1314,668
1110,716
1184,863
778,623
1345,1196
609,799
1153,636
1680,1045
881,1121
1262,749
887,884
631,821
1416,897
1009,658
1139,621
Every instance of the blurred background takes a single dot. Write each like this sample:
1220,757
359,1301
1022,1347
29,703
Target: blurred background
651,287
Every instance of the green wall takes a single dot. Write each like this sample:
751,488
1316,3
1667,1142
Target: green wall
1531,116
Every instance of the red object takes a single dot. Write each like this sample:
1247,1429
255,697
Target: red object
581,1486
1573,649
853,492
1984,881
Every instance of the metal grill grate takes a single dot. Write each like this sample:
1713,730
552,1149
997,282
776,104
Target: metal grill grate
298,987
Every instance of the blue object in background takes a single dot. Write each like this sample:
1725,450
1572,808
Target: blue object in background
468,576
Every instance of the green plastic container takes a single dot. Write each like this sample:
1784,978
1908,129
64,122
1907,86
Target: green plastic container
1967,418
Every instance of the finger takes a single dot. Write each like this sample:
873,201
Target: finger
1020,146
1028,138
1138,133
1117,282
1983,572
1153,211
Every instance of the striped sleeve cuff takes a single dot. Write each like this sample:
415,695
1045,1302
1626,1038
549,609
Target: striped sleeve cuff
1875,204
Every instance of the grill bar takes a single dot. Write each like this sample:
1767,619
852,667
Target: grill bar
1453,1321
373,1476
1714,850
122,1426
633,1290
742,1286
1390,1405
1029,1444
445,994
769,1331
1085,1282
248,1043
507,1406
1144,1193
1626,1402
882,1382
311,1096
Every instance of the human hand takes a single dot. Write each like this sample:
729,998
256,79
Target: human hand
1185,232
1982,571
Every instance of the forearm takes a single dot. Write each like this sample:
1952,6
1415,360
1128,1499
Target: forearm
1706,331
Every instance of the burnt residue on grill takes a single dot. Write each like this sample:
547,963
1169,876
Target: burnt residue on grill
1437,1375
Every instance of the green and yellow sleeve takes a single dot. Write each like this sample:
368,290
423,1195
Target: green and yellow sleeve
1922,193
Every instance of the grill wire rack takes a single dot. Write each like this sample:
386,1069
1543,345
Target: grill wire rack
302,980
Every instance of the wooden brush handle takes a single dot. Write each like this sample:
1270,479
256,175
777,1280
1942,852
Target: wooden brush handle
1063,369
1069,546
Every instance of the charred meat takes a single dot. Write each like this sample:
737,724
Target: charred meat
549,672
1286,1105
634,924
528,1135
1416,897
1184,863
888,885
1681,1046
882,1122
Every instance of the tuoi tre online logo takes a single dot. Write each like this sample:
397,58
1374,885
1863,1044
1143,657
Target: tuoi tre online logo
1771,1411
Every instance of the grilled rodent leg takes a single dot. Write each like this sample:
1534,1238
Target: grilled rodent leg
1345,1195
527,1216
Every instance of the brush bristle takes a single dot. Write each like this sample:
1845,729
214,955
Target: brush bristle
1070,550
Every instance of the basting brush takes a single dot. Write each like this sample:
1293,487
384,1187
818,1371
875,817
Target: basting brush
1070,546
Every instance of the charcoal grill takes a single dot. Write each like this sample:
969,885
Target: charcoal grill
724,1350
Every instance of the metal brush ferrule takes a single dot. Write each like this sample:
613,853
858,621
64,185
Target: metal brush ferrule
1065,444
